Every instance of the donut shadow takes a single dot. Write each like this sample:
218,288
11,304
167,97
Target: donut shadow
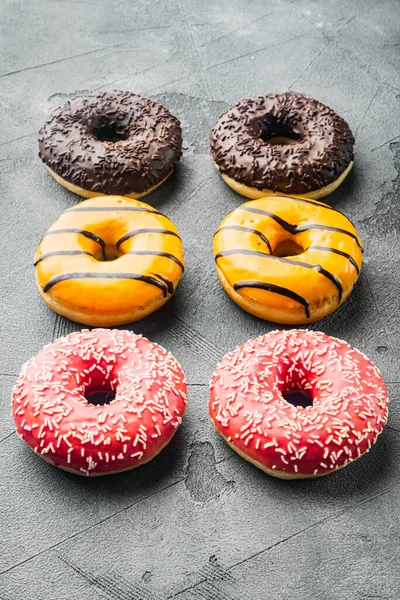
352,316
65,197
166,193
158,322
344,191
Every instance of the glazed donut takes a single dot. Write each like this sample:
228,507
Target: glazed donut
111,143
283,143
286,259
251,395
109,261
59,410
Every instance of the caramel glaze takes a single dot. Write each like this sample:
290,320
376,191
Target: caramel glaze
331,252
321,145
111,142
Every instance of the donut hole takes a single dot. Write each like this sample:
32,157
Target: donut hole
276,133
111,252
99,387
100,397
297,389
98,391
288,247
107,134
300,398
106,235
108,130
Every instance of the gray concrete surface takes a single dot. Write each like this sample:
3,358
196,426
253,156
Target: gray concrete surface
198,523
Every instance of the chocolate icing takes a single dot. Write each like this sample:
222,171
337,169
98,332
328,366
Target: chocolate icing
321,152
111,142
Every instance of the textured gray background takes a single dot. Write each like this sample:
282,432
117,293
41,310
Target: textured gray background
199,523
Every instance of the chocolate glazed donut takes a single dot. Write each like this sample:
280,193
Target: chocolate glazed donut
111,143
285,144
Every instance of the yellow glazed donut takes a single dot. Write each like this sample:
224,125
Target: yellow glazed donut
287,260
109,261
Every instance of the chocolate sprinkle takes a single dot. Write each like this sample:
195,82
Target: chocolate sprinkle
111,142
321,151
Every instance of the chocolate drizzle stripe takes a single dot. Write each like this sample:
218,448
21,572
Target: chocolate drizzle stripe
335,251
62,253
169,284
156,253
276,289
316,268
112,209
132,276
131,234
293,229
87,234
248,230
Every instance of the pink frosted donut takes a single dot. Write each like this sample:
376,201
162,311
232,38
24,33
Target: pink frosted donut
348,403
53,415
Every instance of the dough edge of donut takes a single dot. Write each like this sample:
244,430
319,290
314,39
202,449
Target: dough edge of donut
254,194
90,194
96,319
103,474
280,315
